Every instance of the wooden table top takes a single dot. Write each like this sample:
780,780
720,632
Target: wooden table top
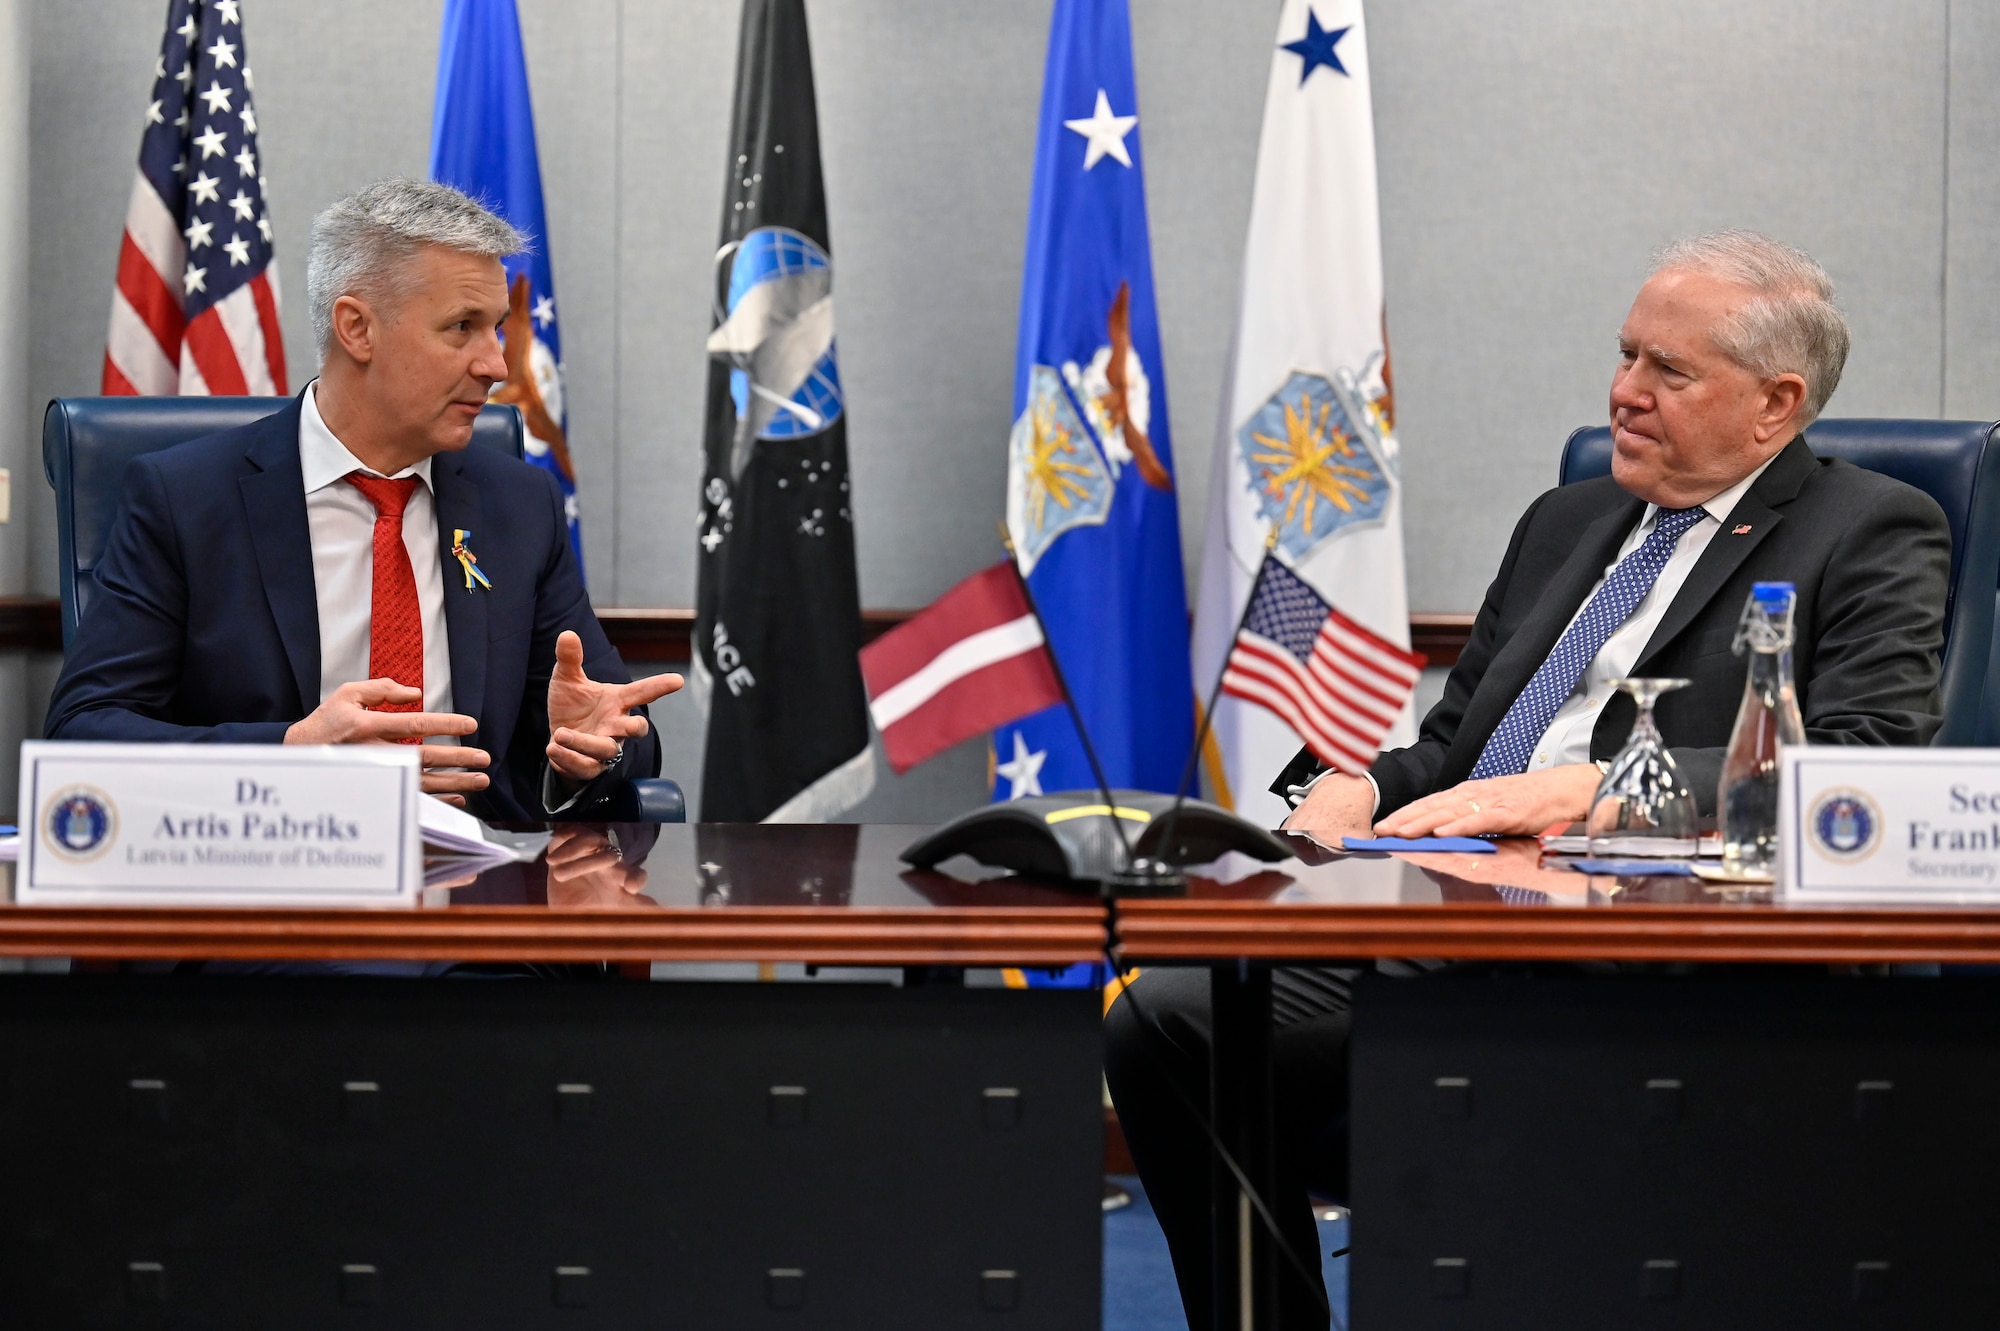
1519,905
833,893
838,894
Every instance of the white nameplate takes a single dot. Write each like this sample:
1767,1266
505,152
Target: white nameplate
1904,824
219,825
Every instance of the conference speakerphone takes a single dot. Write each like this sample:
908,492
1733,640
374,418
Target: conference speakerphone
1072,837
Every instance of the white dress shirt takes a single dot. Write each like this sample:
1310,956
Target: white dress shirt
1567,739
342,523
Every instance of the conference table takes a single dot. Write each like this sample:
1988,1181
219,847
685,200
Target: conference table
258,1118
1626,1101
1616,1101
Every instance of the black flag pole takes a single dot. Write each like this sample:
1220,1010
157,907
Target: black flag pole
1075,715
1214,695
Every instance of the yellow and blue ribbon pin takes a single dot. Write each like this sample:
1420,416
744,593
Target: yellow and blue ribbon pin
467,560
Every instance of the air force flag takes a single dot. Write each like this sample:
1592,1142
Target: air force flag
483,142
1308,447
1090,479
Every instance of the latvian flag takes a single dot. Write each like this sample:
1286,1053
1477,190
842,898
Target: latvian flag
1335,683
974,659
196,306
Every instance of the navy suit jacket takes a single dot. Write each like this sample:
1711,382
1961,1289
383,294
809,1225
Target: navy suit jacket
205,624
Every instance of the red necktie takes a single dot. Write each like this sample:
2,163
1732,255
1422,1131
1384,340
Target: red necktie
396,621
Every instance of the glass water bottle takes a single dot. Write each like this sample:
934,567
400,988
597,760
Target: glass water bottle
1768,718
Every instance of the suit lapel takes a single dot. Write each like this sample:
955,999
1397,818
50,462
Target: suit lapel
274,501
1726,550
459,509
1529,645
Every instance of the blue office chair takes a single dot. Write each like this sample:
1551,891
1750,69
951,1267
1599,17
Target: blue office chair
1956,463
87,442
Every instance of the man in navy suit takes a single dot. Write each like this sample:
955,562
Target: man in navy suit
347,571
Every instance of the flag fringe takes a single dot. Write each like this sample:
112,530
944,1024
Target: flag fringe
833,794
700,682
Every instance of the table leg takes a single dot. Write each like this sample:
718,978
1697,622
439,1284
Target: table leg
1240,1105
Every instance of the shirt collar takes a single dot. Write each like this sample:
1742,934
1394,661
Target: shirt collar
325,460
1720,506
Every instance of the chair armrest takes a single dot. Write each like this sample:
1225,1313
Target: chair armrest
652,799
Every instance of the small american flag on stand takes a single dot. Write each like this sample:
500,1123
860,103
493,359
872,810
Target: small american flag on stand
195,309
1335,683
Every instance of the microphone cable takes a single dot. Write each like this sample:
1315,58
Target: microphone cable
1311,1275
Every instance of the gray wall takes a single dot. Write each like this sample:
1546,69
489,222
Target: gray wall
1530,160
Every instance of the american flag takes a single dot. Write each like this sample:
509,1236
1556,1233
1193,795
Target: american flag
196,305
1335,683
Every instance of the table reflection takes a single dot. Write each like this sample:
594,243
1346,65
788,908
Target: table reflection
585,866
632,866
746,864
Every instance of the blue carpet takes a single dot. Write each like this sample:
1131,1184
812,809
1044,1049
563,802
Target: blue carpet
1139,1290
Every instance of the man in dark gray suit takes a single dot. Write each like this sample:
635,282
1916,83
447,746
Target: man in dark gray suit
1729,352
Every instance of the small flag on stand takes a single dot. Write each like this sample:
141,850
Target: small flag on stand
1337,685
195,308
483,142
974,659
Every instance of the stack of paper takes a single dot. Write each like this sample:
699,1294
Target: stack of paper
457,844
1570,839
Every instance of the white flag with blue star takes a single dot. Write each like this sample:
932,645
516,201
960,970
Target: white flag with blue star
1308,445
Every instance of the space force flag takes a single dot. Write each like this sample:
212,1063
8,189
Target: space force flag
777,610
483,142
1308,444
974,659
1090,472
195,306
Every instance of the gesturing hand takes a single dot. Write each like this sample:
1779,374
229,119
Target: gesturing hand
589,720
345,718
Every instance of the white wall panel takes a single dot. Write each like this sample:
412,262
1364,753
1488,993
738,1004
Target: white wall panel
1972,236
1532,158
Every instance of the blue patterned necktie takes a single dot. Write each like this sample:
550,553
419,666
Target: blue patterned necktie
1507,751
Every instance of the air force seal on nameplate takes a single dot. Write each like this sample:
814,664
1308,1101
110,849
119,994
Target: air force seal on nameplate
78,823
219,825
1844,824
1318,461
1863,824
1056,478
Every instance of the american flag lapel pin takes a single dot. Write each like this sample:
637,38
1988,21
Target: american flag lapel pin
1743,530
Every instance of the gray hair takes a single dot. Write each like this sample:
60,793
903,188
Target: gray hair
360,242
1790,326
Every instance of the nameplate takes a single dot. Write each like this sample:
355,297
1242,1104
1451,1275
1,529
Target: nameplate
1861,825
219,825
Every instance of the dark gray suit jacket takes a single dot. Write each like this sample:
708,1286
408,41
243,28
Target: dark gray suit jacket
1870,557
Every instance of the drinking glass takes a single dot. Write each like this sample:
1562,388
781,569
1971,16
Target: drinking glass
1643,807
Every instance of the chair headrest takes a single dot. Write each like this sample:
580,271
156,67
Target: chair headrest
87,443
1955,463
1944,459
